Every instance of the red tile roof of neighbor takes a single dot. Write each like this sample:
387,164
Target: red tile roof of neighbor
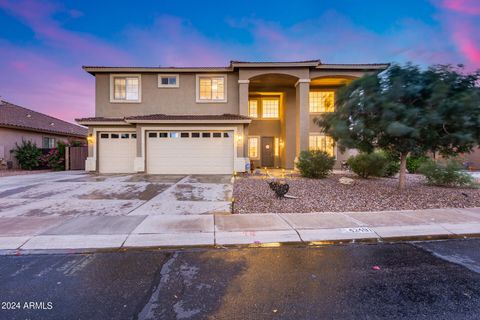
13,116
224,117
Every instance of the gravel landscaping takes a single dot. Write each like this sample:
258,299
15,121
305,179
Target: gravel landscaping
253,195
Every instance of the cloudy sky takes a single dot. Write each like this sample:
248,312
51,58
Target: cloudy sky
43,44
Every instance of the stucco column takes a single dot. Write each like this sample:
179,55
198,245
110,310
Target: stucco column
302,114
243,97
139,161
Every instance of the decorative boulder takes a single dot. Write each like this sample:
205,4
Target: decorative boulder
346,181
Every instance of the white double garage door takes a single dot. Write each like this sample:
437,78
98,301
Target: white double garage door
168,152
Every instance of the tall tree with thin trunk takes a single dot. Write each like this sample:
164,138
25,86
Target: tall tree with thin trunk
406,109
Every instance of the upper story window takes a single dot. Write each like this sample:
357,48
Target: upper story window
270,108
211,88
125,88
168,81
253,108
322,101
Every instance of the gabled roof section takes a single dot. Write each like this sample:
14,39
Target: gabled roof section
16,117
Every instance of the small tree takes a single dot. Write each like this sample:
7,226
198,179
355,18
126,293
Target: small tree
27,155
406,109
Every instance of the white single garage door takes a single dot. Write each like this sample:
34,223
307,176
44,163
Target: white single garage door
116,152
189,152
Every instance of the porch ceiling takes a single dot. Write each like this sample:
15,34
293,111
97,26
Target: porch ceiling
271,81
330,81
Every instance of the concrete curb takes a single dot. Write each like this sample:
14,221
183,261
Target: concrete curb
252,230
19,252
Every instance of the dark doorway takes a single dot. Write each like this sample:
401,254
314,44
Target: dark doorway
267,152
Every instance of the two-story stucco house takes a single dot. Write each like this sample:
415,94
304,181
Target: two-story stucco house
209,120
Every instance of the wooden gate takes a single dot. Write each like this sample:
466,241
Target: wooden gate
77,157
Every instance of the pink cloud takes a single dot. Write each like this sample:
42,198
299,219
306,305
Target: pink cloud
460,21
471,7
38,83
173,41
39,17
48,77
342,41
468,42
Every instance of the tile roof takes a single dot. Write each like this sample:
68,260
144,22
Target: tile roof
99,119
167,117
224,116
298,61
239,64
14,116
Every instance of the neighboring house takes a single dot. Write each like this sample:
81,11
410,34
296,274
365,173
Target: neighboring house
209,120
18,123
472,160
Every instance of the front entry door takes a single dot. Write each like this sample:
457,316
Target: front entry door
267,152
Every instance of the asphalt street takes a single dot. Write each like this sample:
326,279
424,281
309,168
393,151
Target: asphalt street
422,280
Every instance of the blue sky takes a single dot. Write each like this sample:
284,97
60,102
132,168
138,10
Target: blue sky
45,43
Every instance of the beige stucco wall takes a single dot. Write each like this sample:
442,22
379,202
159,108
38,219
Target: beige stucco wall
299,73
182,100
156,100
8,138
473,158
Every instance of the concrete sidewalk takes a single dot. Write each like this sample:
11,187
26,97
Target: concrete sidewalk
114,232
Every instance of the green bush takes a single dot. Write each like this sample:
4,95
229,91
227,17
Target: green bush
61,148
392,167
368,164
315,164
450,174
414,162
27,154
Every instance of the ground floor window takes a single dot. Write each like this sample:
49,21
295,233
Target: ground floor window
323,143
48,143
253,147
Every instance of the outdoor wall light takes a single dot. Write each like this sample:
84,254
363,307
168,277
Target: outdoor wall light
90,139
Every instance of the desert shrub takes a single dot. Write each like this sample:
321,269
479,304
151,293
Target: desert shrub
53,160
315,164
450,174
392,166
27,155
368,164
415,161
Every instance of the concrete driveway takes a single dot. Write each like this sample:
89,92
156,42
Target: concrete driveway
76,194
